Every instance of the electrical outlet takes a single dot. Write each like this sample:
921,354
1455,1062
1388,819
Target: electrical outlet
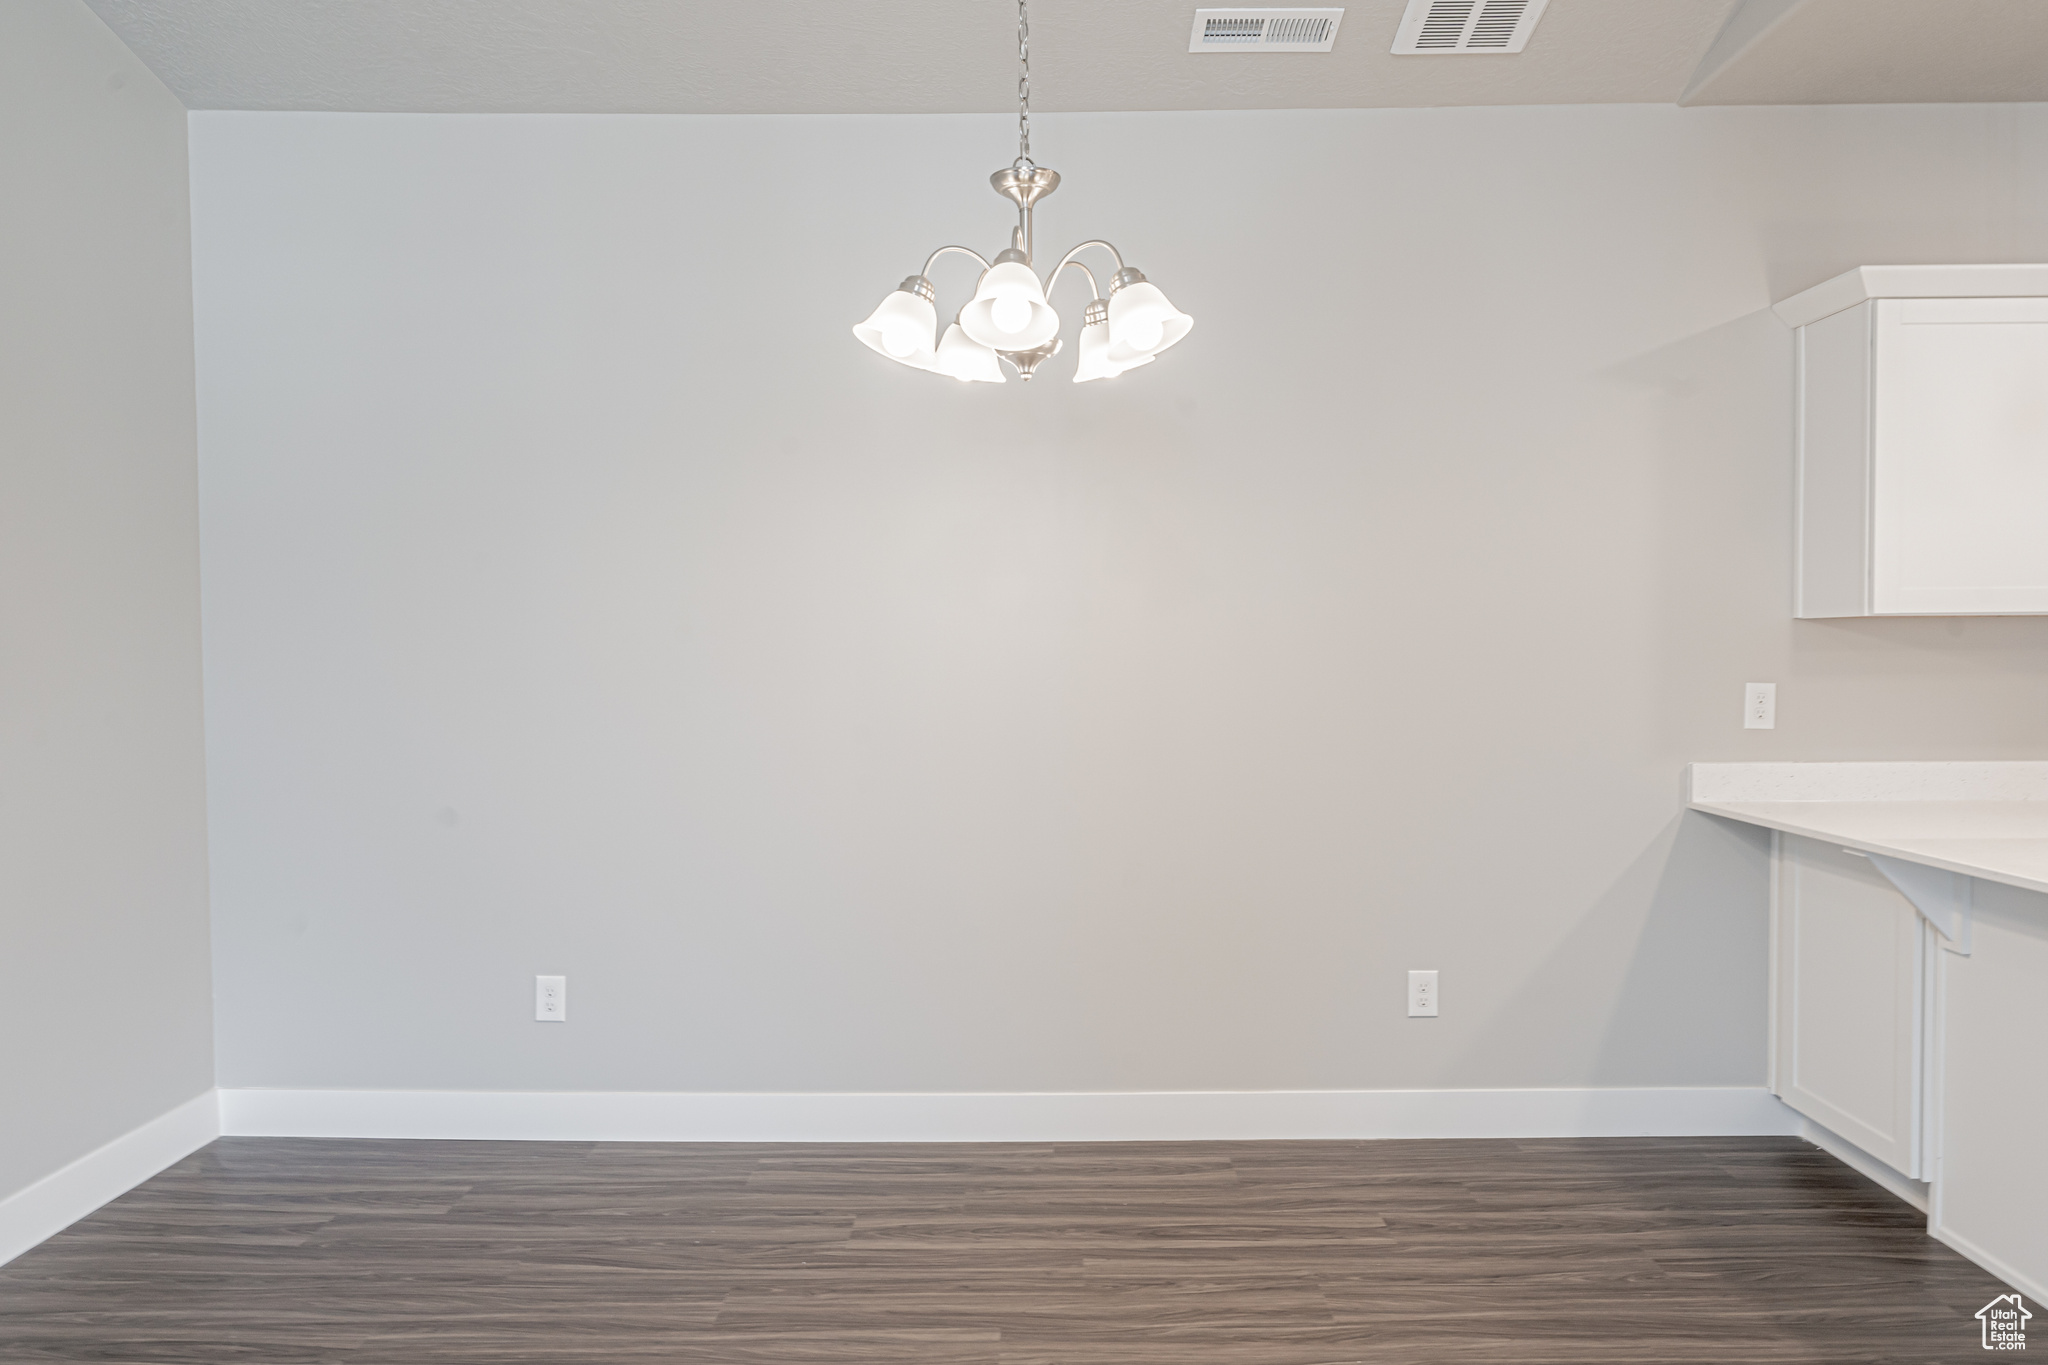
1759,706
551,999
1422,995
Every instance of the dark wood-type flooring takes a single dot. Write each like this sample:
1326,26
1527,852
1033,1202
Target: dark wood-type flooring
1245,1253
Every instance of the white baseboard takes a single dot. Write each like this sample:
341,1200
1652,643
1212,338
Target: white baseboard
1913,1191
639,1116
61,1198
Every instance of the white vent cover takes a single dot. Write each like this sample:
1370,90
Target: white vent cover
1463,27
1264,30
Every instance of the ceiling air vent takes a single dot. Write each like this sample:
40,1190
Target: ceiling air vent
1464,27
1264,30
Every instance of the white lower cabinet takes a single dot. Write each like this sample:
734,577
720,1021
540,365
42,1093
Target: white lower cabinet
1991,1189
1850,996
1920,1045
1909,981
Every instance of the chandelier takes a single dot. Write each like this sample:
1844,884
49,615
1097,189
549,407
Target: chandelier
1008,319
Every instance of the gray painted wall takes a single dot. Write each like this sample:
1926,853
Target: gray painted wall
581,598
103,916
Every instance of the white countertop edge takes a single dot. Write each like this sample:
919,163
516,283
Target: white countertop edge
1890,850
1991,780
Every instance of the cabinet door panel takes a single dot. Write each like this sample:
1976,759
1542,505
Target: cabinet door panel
1848,982
1961,456
1993,1185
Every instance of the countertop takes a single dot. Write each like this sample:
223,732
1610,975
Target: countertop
1987,820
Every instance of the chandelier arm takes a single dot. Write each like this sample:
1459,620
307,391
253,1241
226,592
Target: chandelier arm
1083,247
1093,289
964,251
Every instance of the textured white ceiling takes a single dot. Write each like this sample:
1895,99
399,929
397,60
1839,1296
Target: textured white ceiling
1879,52
863,56
956,56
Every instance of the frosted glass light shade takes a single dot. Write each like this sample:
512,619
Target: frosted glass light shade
1095,357
961,357
1094,363
901,328
1142,324
1009,311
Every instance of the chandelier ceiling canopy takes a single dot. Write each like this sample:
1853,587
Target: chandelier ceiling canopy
1009,319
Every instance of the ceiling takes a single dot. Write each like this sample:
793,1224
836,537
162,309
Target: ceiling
1877,52
958,56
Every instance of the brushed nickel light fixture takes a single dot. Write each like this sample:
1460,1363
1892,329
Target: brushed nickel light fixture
1009,319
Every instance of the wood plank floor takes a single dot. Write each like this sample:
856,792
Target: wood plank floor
286,1252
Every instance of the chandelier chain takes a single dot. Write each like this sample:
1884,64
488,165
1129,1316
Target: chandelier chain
1023,83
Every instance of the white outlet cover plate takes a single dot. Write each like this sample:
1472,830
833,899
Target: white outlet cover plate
1759,706
1422,998
551,999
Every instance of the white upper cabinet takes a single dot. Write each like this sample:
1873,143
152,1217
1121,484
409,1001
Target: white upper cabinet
1923,442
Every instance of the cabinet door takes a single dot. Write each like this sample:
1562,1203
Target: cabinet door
1846,970
1960,457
